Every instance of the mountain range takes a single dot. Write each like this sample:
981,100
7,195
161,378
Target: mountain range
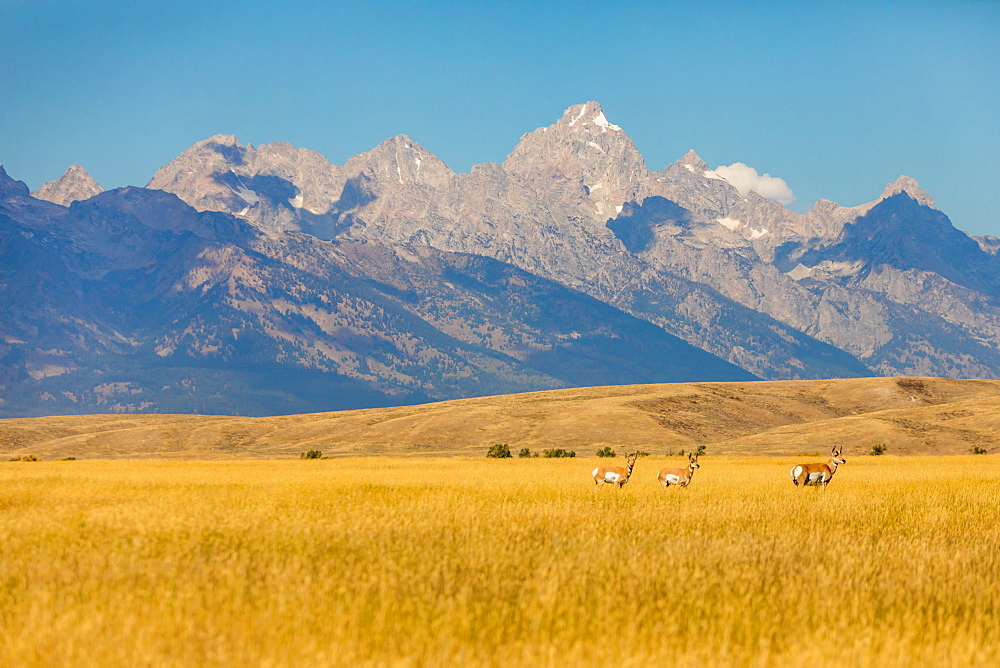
266,280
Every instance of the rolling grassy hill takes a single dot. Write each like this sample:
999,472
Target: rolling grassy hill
908,415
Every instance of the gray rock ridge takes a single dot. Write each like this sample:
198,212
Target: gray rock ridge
74,185
897,278
575,203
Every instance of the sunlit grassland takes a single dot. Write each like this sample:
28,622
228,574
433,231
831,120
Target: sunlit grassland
459,561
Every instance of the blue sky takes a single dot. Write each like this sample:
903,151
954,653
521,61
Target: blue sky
837,99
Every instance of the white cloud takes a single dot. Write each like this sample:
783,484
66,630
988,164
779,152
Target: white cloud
745,178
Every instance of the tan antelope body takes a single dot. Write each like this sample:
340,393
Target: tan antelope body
680,477
615,475
817,474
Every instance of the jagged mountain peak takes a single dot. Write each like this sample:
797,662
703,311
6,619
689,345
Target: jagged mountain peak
588,116
218,152
11,187
910,186
693,162
221,140
582,161
401,159
74,185
403,142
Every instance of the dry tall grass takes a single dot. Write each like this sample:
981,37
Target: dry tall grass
475,561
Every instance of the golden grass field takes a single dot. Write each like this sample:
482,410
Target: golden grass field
471,561
911,416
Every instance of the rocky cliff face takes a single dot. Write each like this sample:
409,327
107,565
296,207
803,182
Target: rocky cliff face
73,186
582,163
399,278
574,202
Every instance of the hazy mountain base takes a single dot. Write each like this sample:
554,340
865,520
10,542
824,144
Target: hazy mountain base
133,302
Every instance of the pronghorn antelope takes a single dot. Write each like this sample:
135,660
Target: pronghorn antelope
682,477
615,475
818,474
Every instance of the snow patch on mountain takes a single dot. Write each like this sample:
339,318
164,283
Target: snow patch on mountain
602,122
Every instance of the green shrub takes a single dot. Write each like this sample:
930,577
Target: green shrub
878,449
699,452
525,452
976,450
499,451
68,459
311,454
606,451
24,458
558,452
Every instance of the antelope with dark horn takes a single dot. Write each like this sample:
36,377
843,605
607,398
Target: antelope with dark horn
818,474
615,475
679,477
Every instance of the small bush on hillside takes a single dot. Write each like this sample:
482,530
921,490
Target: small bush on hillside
311,454
700,451
499,451
24,458
558,452
68,459
976,450
878,449
641,453
525,452
606,451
